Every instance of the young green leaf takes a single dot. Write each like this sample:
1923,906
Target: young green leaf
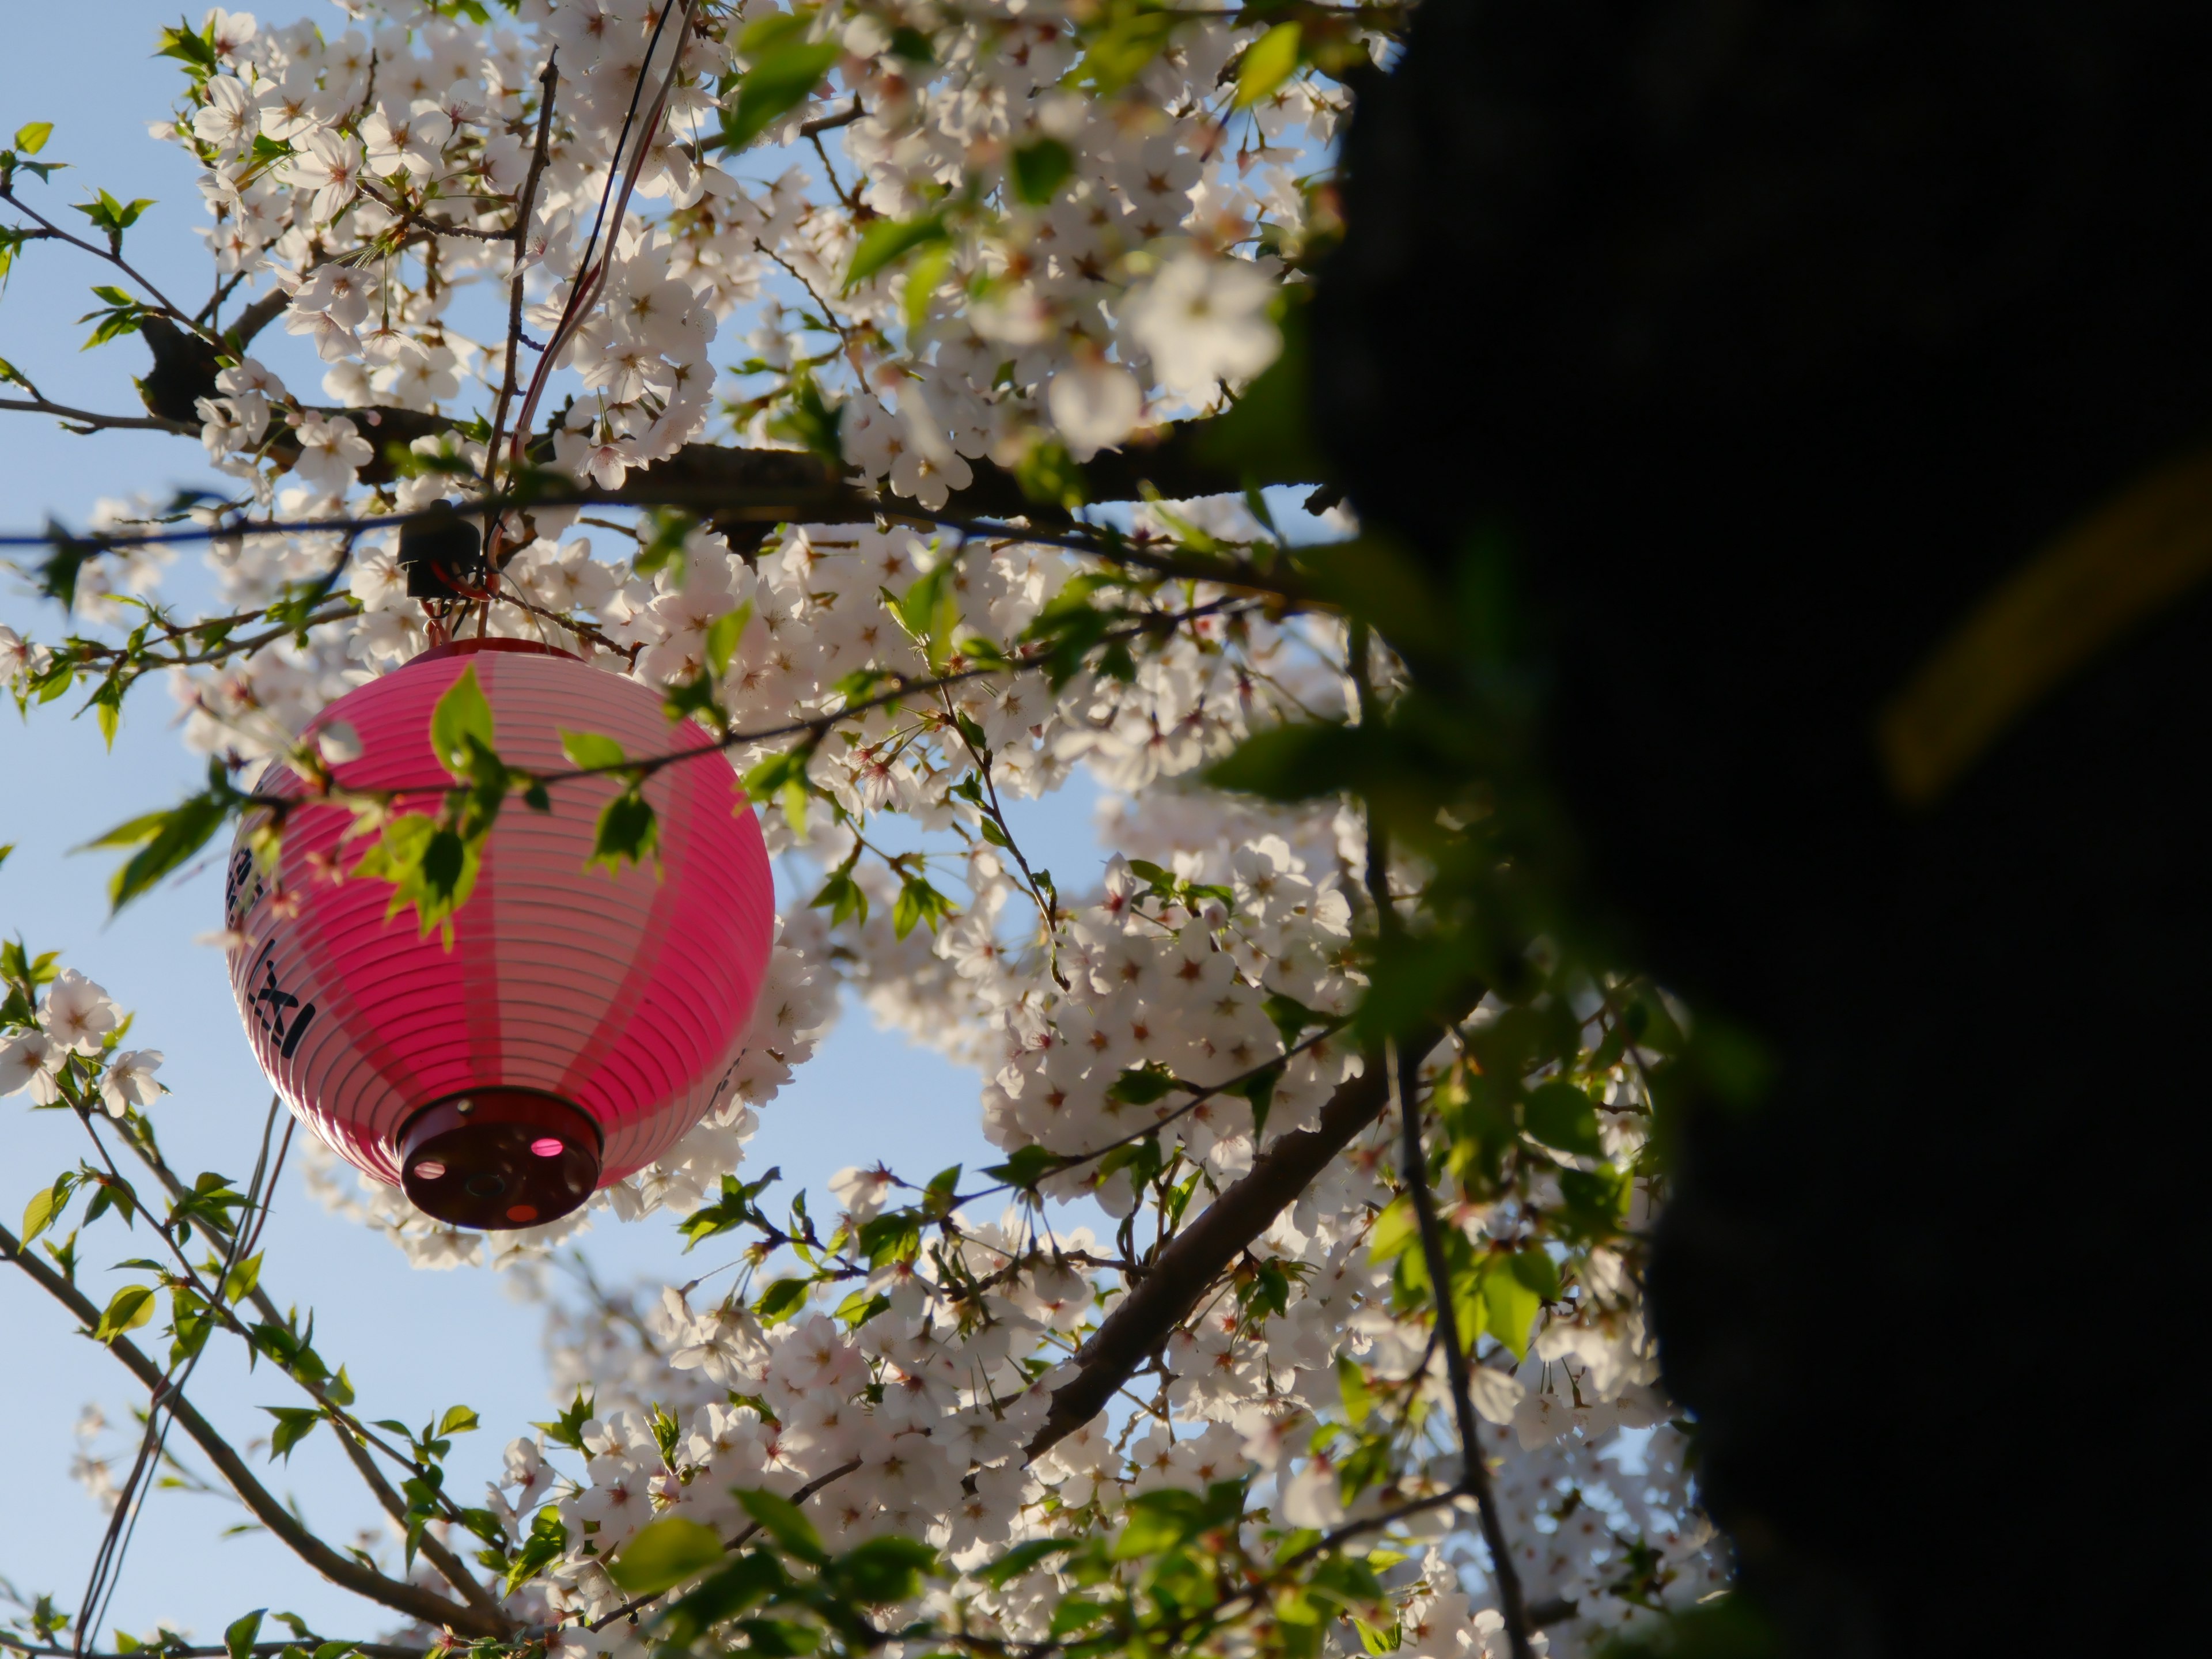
294,1424
1268,62
780,1519
462,715
629,832
663,1554
130,1307
889,240
780,79
1563,1116
238,1636
1038,169
592,749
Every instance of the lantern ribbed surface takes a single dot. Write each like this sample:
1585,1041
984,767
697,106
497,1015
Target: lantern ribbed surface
624,998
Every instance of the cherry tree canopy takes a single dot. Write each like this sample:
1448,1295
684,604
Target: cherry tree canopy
896,388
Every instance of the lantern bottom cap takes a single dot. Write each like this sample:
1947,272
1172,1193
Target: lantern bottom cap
498,1158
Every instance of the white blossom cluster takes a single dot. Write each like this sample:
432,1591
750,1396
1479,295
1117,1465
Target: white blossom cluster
77,1017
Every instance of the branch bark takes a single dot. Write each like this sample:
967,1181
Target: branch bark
412,1600
1174,1284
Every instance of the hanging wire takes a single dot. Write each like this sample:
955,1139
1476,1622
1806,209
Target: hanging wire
122,1525
591,274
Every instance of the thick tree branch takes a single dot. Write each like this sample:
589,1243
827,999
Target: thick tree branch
1174,1284
343,1570
1179,462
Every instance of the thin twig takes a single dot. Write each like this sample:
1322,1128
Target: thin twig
526,204
342,1569
94,423
113,257
844,117
1475,1473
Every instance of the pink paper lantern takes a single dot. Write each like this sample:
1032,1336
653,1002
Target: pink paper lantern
579,1024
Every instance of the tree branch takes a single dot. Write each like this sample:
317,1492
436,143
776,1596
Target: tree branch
1475,1473
1174,1283
412,1600
91,422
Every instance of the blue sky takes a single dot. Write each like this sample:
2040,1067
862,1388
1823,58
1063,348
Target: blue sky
414,1343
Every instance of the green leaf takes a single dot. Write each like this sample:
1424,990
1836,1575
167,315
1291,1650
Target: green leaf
748,1579
1158,1521
1074,1612
130,1307
1140,1085
778,81
1509,1307
1295,761
929,611
1351,1384
889,240
46,1206
663,1553
568,1429
781,1300
428,866
1561,1115
919,902
1395,1230
1378,1642
841,896
294,1424
191,46
591,750
1023,1557
457,1419
723,635
462,715
1049,476
664,550
922,281
1268,62
1028,1166
31,138
1119,53
1038,170
547,1543
781,1520
883,1571
1533,1267
629,832
808,422
238,1283
238,1636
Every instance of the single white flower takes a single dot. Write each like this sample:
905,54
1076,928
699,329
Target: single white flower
331,165
338,743
330,452
231,118
1095,405
15,655
78,1013
1202,320
130,1080
29,1060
